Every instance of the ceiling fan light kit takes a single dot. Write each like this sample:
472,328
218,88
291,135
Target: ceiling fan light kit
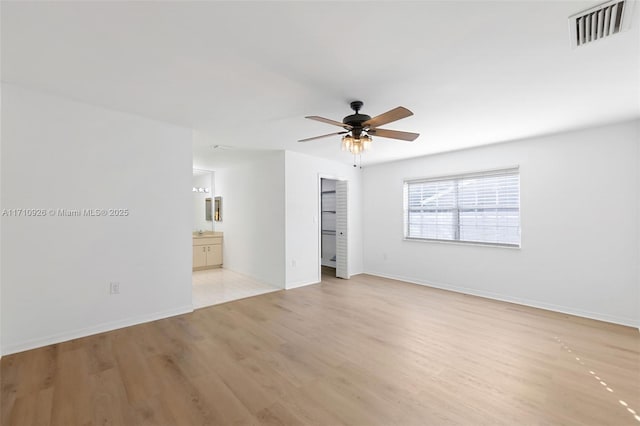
356,146
358,128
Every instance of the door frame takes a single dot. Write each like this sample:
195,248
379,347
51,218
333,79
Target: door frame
319,230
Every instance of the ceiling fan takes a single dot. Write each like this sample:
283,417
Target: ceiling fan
358,128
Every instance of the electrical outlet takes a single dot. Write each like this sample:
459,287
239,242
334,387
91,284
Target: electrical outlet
384,256
114,287
293,263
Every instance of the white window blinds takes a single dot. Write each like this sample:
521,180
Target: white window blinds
476,207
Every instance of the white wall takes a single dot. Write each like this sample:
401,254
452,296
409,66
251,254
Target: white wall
1,206
638,227
303,206
56,271
579,213
253,215
200,222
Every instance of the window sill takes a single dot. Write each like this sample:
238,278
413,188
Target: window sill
464,243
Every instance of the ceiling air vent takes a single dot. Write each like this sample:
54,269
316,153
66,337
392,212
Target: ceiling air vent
598,22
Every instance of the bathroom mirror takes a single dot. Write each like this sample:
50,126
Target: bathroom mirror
207,209
217,212
202,189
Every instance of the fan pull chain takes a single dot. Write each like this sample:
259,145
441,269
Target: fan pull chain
357,158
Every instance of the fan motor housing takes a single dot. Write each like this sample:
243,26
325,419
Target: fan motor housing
355,120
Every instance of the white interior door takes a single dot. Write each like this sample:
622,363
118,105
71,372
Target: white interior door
342,216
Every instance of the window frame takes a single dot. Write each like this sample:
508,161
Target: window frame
456,209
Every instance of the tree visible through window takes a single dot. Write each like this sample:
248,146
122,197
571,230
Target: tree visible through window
478,207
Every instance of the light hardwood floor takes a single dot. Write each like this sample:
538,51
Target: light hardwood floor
367,351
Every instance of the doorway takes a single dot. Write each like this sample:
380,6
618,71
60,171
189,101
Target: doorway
333,228
212,283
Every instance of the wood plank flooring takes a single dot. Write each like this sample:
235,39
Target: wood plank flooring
368,351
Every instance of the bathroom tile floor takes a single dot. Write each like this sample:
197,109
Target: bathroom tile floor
215,286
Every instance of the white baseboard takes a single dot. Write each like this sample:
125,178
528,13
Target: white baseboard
88,331
301,284
520,301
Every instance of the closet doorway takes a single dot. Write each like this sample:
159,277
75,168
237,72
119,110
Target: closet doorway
333,228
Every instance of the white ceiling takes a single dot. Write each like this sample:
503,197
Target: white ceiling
244,74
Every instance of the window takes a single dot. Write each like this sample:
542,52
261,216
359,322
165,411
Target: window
475,207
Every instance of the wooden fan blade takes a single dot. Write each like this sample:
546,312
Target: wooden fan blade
394,134
320,137
388,117
326,120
